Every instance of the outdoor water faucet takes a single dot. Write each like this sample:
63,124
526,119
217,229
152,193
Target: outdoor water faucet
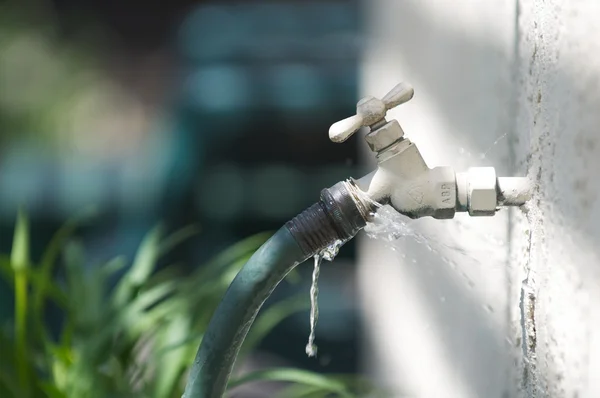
403,179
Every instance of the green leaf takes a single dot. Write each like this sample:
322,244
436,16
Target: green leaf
51,390
143,265
171,365
146,258
152,318
269,318
230,255
114,266
303,391
177,238
74,267
128,319
44,285
53,290
361,386
19,256
8,385
294,376
20,265
35,277
6,270
8,377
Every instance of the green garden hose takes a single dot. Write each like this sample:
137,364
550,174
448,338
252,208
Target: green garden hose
338,216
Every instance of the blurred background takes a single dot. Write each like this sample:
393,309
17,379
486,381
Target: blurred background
210,113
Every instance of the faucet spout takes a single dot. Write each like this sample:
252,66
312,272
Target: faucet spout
440,192
403,179
514,191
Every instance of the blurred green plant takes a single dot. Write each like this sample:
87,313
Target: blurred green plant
136,339
58,91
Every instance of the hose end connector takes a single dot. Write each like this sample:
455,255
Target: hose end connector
339,215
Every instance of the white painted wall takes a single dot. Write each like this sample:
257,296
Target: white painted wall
459,321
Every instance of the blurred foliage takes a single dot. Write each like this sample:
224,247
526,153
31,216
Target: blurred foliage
135,339
55,87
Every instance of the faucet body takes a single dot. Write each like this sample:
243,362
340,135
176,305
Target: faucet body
403,179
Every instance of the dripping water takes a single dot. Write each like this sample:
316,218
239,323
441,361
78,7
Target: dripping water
311,348
327,254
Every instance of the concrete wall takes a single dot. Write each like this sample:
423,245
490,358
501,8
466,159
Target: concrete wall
506,306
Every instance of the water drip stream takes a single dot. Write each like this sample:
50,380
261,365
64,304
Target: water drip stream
327,254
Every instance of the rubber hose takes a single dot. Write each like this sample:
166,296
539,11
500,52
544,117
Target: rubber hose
336,217
236,312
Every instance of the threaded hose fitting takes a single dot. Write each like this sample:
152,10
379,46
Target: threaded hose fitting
337,216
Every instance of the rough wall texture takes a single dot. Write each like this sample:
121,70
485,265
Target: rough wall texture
557,141
506,306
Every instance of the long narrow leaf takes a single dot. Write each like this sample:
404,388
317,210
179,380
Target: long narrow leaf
7,364
6,270
113,266
177,238
19,256
171,365
44,285
294,376
76,283
53,291
141,269
230,255
128,317
303,391
7,383
20,262
51,391
35,276
269,318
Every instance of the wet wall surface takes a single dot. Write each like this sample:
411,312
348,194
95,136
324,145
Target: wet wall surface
556,141
504,306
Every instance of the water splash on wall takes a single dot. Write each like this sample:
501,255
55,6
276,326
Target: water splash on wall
387,225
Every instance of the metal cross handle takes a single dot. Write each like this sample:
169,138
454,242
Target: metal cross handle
370,111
